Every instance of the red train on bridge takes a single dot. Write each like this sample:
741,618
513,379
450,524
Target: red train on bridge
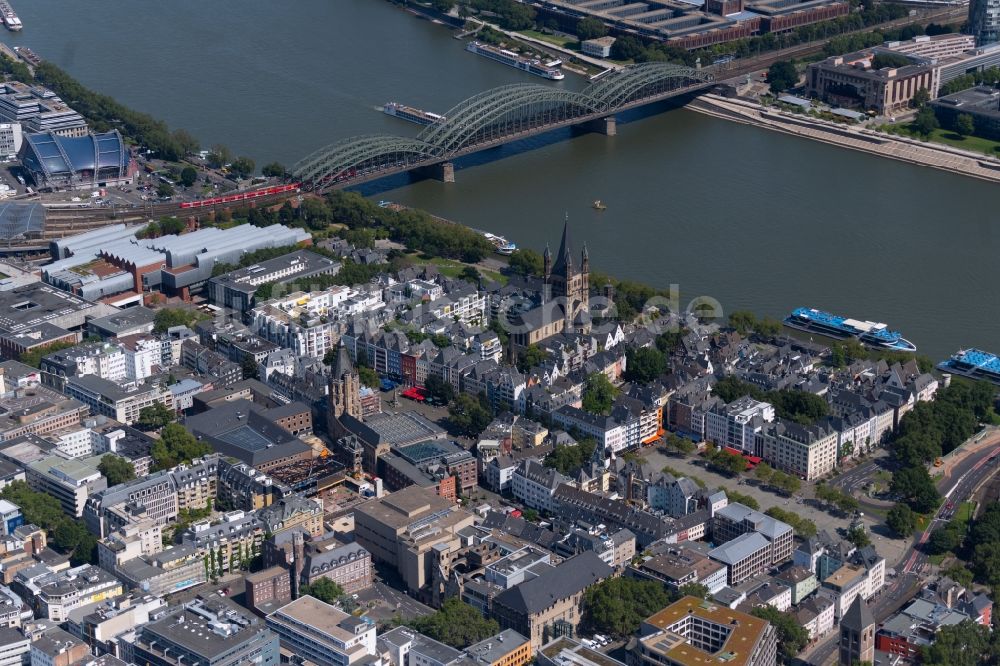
242,196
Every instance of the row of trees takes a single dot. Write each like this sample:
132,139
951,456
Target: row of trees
833,497
934,428
65,533
804,528
413,228
781,481
105,113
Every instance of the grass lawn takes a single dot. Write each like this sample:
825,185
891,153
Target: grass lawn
973,143
564,42
452,268
964,512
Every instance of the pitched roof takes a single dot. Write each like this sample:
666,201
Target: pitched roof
858,616
561,582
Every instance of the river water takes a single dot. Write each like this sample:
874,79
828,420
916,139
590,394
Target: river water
755,219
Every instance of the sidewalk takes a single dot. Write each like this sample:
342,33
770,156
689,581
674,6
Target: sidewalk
903,149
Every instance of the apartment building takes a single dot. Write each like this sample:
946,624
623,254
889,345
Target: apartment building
56,594
736,424
535,485
808,452
121,401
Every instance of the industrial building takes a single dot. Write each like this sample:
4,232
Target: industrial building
236,289
56,162
113,261
693,24
37,315
982,103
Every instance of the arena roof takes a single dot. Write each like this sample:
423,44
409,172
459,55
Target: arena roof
59,155
19,220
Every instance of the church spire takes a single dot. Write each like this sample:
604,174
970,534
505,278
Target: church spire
564,258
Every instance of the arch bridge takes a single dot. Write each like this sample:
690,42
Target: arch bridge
495,117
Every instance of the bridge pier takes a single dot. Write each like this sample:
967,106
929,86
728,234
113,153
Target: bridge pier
608,126
443,171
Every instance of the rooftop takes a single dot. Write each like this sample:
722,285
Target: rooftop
207,627
739,633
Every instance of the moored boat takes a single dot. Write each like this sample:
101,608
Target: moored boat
871,333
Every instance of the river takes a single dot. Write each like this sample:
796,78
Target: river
755,219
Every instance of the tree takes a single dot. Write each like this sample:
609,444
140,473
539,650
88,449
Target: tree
926,122
116,469
859,537
243,167
155,416
598,394
727,462
468,415
530,357
792,636
782,75
189,176
617,606
456,624
219,156
740,498
914,484
590,28
368,377
962,644
920,98
568,459
901,519
693,590
249,367
763,472
944,540
742,321
175,446
165,190
273,170
439,389
964,125
323,589
681,445
169,317
644,364
526,262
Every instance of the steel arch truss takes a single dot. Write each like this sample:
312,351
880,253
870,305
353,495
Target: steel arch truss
491,117
638,82
506,112
361,156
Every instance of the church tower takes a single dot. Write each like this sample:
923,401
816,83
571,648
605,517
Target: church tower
345,387
567,283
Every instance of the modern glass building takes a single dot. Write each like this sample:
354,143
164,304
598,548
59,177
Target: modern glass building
83,162
984,21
